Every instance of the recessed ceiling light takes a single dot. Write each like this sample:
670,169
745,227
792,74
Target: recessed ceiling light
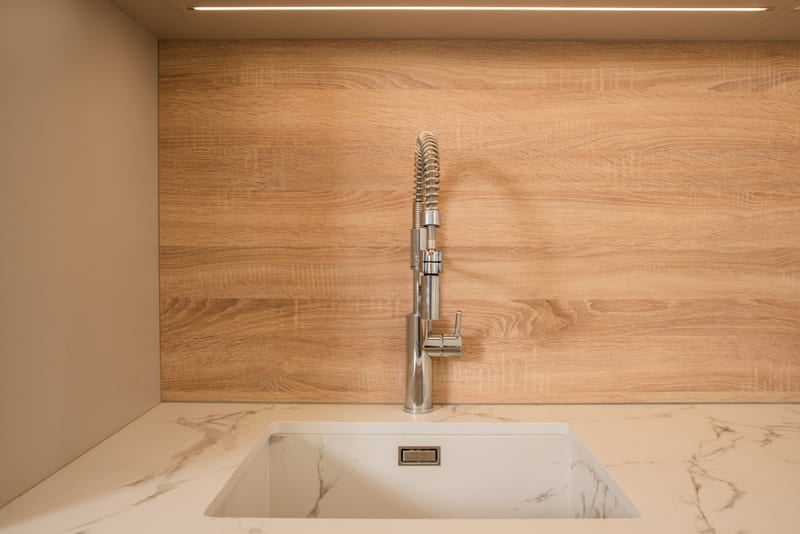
585,9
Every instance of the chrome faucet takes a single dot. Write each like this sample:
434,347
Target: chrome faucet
426,264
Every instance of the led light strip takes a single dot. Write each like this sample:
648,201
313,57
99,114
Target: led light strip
587,9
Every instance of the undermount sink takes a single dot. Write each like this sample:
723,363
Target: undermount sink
421,470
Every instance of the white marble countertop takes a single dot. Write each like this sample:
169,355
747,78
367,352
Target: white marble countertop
689,468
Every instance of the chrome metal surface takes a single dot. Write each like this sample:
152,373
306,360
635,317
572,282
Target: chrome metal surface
418,238
426,263
431,261
431,306
443,345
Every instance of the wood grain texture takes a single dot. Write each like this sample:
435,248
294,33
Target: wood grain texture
620,221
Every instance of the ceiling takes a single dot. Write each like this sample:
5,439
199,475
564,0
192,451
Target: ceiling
171,19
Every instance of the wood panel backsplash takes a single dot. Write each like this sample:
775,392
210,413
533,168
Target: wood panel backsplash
620,222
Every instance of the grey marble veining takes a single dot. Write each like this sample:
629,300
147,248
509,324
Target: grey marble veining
689,468
487,470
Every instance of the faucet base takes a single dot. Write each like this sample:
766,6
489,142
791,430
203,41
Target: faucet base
417,410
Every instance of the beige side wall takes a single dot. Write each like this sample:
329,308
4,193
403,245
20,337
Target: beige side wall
79,269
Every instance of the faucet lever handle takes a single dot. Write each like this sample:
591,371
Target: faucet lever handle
445,345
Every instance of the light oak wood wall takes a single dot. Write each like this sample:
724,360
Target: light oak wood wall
620,222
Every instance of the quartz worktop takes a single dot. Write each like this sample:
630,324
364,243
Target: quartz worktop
689,468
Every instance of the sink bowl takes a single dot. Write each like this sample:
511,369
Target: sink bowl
421,470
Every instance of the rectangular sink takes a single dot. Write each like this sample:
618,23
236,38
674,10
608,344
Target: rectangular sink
421,470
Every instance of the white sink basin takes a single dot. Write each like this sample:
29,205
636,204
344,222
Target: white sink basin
481,470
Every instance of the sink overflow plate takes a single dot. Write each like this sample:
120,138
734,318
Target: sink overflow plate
419,455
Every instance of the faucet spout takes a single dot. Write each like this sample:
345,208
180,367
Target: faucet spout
426,264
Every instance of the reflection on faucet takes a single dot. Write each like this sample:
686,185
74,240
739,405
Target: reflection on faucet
426,264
